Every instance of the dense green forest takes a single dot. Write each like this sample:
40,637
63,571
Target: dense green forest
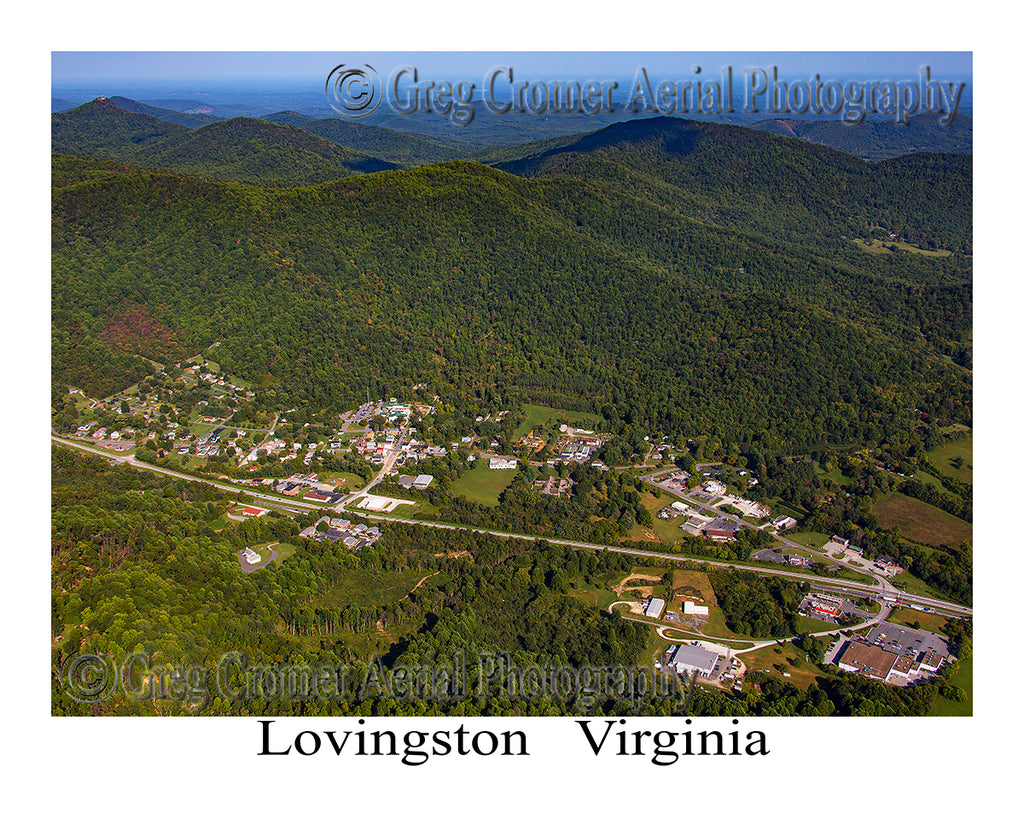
576,292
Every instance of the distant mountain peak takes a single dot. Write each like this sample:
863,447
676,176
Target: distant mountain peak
101,104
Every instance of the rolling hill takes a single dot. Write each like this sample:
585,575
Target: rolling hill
238,150
559,289
392,146
750,181
881,139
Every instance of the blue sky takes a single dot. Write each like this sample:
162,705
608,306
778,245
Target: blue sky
73,68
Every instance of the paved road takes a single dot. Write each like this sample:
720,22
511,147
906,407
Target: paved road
875,589
281,503
884,584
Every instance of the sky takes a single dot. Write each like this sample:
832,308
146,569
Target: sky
215,68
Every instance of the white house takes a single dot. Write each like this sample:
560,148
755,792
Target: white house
503,463
250,556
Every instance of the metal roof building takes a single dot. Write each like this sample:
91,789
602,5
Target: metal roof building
655,607
694,658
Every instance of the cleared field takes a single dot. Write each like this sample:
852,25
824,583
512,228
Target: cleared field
534,415
688,584
345,481
814,540
366,587
922,523
925,477
918,619
812,625
594,596
482,484
880,246
945,458
667,531
834,475
785,658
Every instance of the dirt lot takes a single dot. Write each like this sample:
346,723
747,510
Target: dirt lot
620,589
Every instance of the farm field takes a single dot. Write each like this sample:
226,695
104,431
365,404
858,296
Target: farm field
482,484
921,522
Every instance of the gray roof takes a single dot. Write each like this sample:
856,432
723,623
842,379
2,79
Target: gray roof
694,657
903,640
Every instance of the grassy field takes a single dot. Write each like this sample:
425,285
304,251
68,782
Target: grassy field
690,584
284,551
366,587
812,625
535,415
482,484
593,595
915,585
921,522
880,246
834,475
813,540
787,657
964,678
942,459
918,619
925,477
346,481
667,531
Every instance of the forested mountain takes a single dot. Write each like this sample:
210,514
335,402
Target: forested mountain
753,182
876,139
99,128
240,149
575,291
165,114
383,143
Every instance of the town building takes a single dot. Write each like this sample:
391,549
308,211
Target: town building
721,529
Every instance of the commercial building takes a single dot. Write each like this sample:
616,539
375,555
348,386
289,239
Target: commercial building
902,640
689,607
688,658
721,529
871,661
655,606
